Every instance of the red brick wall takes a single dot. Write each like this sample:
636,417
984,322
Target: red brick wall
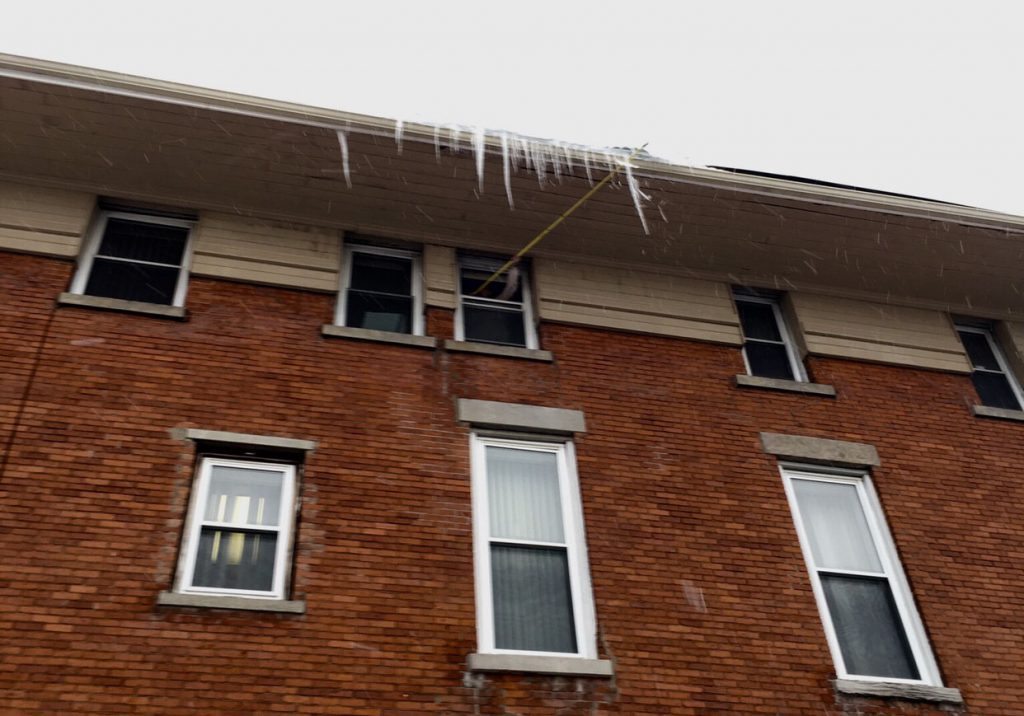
703,600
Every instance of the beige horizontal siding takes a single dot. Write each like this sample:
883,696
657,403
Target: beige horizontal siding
635,301
1011,339
266,252
43,221
878,332
439,276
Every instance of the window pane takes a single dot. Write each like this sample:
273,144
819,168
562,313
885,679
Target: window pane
979,350
378,312
868,626
131,281
141,241
768,360
994,390
532,599
758,321
493,325
383,274
244,496
835,525
522,488
506,287
229,559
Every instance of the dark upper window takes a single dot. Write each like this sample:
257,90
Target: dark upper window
767,346
136,257
381,291
996,385
494,310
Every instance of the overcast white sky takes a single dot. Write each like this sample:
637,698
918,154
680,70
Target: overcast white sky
916,97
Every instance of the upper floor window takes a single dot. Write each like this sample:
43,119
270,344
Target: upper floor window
494,311
872,626
238,534
136,257
996,385
381,290
532,582
768,349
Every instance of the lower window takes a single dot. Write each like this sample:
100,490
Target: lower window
870,620
533,586
238,533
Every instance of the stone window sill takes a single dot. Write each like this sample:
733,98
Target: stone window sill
531,664
910,692
215,601
117,304
366,334
496,350
788,386
983,411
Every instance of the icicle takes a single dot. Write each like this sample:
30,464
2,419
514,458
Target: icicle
398,135
437,142
478,148
343,143
586,166
454,134
638,196
506,169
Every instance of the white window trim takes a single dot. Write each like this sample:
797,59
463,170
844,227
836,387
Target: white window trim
416,287
913,626
993,344
485,264
95,238
795,364
575,539
194,524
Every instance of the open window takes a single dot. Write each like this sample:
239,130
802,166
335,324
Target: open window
996,384
768,348
494,310
381,290
135,256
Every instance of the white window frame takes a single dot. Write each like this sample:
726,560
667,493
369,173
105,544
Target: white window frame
486,264
95,239
416,286
195,523
993,344
917,638
795,364
575,544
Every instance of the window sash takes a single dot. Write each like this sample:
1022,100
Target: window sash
90,251
416,287
1004,368
796,366
196,524
892,572
525,306
574,545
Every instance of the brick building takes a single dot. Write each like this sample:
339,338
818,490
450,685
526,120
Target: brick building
274,441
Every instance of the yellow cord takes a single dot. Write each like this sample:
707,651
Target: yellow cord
565,215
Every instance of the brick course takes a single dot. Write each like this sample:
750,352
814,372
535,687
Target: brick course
703,599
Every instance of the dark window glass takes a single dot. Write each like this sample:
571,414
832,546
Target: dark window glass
768,360
994,390
506,287
139,241
130,281
381,274
532,599
234,559
379,312
979,350
868,627
490,324
758,321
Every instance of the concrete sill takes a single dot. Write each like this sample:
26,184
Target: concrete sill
788,386
529,664
495,350
117,304
909,692
366,334
983,411
215,601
